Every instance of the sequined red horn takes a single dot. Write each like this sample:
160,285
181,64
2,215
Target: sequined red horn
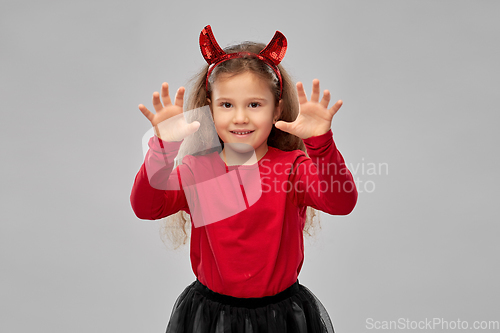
272,54
276,49
209,46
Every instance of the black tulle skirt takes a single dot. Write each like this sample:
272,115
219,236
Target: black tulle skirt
294,310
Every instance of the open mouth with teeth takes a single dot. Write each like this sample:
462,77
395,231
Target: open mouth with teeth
241,133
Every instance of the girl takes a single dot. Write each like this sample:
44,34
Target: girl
247,202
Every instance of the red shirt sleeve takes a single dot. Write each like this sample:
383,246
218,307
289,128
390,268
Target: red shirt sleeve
157,191
323,181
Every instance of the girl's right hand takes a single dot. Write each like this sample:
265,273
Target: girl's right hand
168,121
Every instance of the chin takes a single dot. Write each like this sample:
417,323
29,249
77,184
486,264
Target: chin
240,147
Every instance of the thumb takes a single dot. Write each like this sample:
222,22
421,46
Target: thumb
284,126
186,130
195,125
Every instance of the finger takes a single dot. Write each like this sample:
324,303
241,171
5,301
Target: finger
165,97
146,112
301,94
336,107
179,97
315,91
326,99
156,102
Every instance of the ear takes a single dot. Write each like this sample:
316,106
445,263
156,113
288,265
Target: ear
277,111
209,103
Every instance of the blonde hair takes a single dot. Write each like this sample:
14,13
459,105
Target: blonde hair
176,228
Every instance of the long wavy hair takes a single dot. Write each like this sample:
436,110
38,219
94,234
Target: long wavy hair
175,229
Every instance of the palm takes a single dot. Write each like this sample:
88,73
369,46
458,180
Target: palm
314,118
168,121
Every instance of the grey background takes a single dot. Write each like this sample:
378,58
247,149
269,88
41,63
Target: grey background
419,81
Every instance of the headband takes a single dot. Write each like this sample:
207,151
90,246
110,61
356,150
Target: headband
272,54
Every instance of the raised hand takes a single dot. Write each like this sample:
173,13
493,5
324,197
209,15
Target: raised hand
168,121
314,117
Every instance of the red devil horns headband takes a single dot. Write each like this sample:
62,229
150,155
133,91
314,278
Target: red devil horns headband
272,54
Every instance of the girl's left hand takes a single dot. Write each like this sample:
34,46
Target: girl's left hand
314,118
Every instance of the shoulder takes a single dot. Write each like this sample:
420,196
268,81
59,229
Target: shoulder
277,158
279,155
287,155
206,159
204,167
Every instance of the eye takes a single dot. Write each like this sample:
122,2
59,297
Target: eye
225,105
254,105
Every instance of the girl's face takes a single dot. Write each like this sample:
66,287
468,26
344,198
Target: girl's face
243,109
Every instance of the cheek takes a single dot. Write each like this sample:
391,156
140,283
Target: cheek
219,121
266,121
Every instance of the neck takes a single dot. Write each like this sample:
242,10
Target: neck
232,157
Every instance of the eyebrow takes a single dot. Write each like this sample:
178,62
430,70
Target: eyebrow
251,98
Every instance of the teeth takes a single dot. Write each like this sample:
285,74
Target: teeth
242,132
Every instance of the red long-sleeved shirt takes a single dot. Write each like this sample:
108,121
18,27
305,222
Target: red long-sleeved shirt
257,249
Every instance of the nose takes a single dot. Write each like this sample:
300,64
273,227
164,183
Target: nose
240,116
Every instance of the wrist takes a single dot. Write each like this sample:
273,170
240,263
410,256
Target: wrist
319,139
157,132
319,133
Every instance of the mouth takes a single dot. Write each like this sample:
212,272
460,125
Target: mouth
241,134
